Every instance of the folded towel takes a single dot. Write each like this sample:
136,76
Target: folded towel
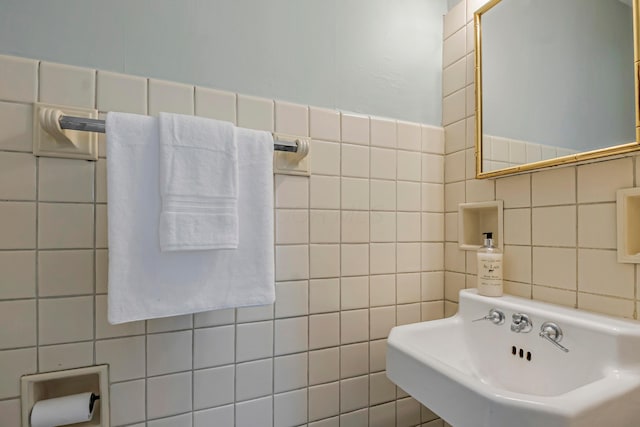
198,183
146,283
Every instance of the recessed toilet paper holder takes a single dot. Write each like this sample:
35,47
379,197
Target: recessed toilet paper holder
51,385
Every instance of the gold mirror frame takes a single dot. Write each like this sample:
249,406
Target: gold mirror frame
573,158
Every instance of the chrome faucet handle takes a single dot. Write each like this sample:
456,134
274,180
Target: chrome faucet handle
552,333
521,323
495,316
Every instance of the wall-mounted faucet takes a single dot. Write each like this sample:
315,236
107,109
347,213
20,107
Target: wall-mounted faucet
495,316
520,322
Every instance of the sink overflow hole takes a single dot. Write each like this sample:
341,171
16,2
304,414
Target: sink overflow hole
520,352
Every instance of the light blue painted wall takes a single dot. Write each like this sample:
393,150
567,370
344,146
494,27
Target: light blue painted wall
377,57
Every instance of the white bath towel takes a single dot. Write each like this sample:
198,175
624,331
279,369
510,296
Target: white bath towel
146,283
198,183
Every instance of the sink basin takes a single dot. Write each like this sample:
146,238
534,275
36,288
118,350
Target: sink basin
483,374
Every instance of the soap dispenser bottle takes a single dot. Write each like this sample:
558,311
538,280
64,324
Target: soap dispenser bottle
489,268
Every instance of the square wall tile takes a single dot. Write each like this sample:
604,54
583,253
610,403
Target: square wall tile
351,358
354,259
254,341
454,135
215,104
291,191
553,187
214,346
454,19
255,113
383,195
127,402
353,393
355,129
383,226
255,412
324,401
19,318
125,356
324,365
326,158
18,274
383,133
10,412
169,395
517,263
16,127
606,305
597,226
355,161
17,176
67,85
382,290
355,194
292,262
324,226
213,387
598,182
433,168
290,372
432,256
383,163
564,297
65,273
515,191
383,258
14,364
432,197
292,226
432,286
354,326
554,226
172,323
222,416
454,77
291,119
17,225
381,389
65,225
170,97
254,379
453,107
354,292
555,267
65,320
408,196
290,409
324,124
170,352
325,192
355,227
409,165
599,272
324,261
324,295
19,79
409,136
121,93
214,318
517,226
65,356
432,139
291,335
382,320
292,299
324,330
65,180
454,167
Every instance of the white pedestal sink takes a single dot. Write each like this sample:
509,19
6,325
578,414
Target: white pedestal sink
483,374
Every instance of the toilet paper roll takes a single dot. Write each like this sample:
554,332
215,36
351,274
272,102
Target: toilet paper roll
61,411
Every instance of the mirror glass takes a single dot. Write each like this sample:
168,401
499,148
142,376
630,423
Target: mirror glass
556,79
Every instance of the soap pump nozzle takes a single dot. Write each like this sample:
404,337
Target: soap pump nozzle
488,239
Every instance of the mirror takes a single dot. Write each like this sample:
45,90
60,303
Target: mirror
555,83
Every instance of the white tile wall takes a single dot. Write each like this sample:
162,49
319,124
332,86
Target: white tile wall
560,224
349,250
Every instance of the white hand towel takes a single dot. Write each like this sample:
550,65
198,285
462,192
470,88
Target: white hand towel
146,283
198,183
